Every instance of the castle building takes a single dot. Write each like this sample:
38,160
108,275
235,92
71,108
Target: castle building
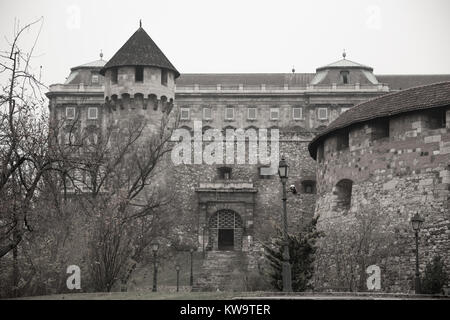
226,209
379,164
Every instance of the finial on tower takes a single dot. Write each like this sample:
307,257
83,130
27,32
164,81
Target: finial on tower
293,69
344,54
140,23
101,54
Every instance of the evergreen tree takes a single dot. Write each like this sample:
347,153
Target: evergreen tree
302,248
435,277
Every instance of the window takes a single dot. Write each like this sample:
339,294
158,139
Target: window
87,183
69,138
69,184
225,173
70,113
322,113
229,113
164,77
437,118
185,114
114,75
274,113
309,186
344,77
380,129
139,74
207,113
92,138
320,153
251,113
92,113
343,140
266,172
297,113
94,78
343,193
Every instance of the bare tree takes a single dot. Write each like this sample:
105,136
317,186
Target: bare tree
23,141
349,246
120,182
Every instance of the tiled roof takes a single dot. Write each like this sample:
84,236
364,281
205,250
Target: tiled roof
344,63
395,82
140,50
94,64
299,79
405,81
418,98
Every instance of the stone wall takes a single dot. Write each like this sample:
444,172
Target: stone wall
393,178
201,192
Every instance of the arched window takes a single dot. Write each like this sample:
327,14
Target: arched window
205,128
343,193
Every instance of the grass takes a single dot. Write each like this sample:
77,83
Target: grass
146,296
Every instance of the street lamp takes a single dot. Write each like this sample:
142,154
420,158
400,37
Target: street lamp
155,246
283,171
177,267
416,222
191,279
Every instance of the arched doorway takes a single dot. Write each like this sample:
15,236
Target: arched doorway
225,230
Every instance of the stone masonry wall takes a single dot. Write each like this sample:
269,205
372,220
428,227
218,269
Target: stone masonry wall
393,178
260,210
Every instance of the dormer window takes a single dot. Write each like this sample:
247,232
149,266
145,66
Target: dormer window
139,74
344,77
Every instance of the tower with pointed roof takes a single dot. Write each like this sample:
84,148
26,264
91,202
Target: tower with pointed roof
139,79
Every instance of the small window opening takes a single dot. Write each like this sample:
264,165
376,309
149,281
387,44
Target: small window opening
309,186
164,77
225,173
343,193
139,74
343,140
114,75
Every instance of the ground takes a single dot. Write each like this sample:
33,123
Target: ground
233,295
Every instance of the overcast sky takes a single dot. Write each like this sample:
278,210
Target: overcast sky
393,37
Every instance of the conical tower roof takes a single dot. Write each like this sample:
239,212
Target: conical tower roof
140,50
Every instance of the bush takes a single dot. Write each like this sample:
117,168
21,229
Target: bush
435,277
302,249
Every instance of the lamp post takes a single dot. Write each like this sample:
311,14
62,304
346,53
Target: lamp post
155,246
416,223
191,279
177,267
283,171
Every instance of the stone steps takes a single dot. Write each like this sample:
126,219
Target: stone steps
221,270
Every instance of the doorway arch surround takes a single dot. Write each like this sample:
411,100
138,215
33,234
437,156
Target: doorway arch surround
225,230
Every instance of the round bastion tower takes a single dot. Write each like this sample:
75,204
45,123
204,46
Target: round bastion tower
139,82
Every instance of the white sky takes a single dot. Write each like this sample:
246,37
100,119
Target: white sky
394,37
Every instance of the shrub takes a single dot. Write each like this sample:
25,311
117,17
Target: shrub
435,276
